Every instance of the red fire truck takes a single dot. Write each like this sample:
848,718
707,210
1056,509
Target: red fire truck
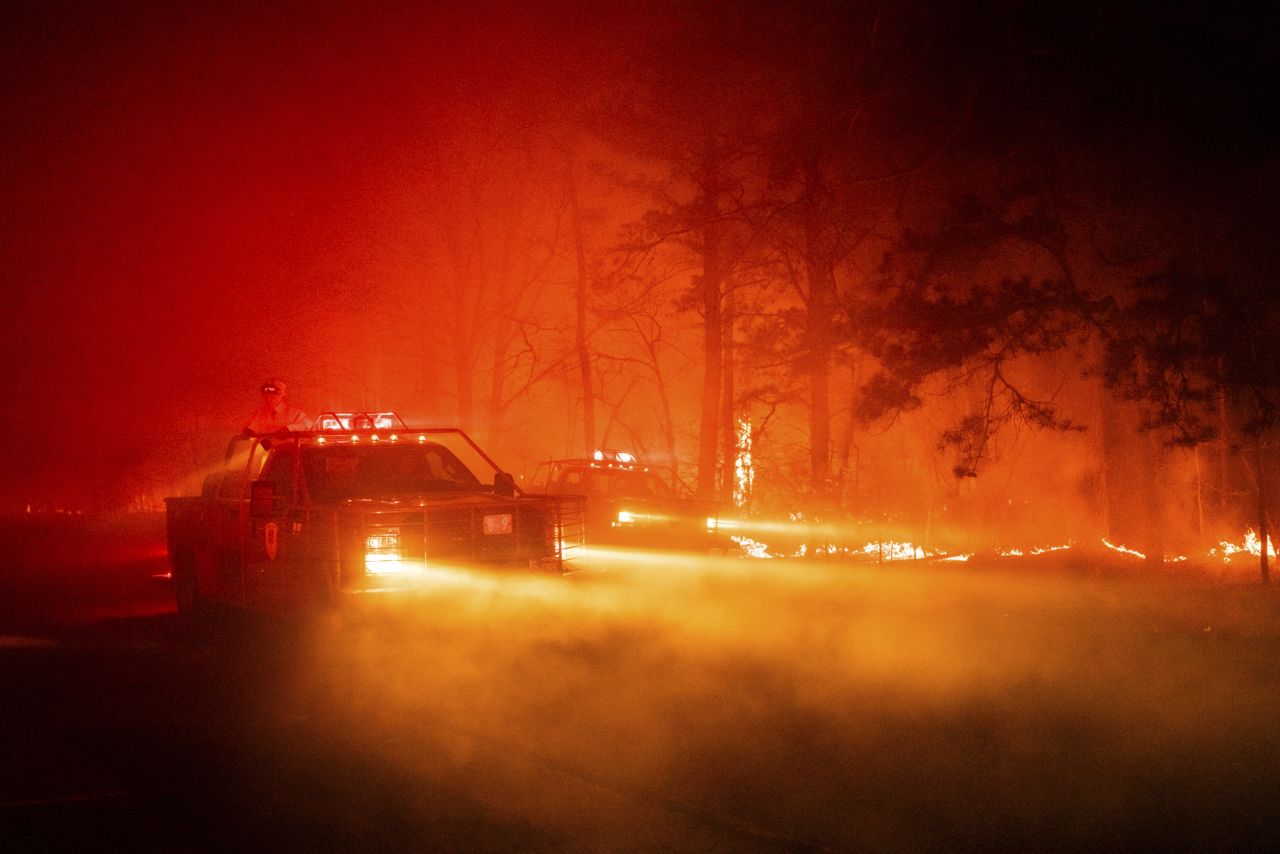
362,502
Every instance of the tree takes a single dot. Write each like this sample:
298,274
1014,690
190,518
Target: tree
839,156
936,317
687,107
1192,347
496,236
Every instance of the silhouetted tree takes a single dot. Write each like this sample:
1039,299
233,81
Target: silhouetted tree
839,157
1190,344
936,318
687,105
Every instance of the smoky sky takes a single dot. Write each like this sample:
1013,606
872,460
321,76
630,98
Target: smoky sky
1197,77
197,199
193,199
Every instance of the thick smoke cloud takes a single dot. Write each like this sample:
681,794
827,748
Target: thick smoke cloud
683,703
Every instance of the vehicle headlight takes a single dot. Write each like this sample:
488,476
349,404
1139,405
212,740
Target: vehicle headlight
382,550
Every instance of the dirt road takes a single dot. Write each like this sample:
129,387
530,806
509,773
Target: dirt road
666,703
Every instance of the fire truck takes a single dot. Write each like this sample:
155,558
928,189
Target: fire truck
632,503
361,503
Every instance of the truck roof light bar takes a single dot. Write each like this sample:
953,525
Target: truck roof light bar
609,455
351,422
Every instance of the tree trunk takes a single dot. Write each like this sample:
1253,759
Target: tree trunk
664,398
821,283
466,390
1223,437
580,328
1199,470
1153,545
1109,445
710,289
1263,530
494,427
848,492
729,420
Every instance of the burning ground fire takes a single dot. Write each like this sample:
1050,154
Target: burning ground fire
896,550
1251,546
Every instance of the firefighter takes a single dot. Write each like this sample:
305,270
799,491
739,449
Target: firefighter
276,412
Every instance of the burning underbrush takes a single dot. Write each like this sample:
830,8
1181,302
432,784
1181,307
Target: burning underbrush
1236,561
677,702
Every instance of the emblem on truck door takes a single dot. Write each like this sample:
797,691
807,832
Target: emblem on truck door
271,539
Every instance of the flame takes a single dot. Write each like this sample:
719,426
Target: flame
897,550
1038,550
894,551
752,548
1123,549
881,550
1128,551
1252,545
744,473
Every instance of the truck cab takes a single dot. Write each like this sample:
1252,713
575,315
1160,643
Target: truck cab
361,504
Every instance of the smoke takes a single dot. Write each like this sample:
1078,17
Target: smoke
683,703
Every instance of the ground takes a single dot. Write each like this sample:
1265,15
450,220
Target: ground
664,703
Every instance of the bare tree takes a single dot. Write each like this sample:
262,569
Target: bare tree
500,239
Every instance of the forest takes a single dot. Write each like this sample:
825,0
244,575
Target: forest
969,275
992,275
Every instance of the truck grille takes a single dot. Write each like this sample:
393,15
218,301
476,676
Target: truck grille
544,532
514,532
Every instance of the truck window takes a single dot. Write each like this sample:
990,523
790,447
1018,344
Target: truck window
566,480
279,469
349,471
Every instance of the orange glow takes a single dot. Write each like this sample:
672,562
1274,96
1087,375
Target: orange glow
382,564
629,517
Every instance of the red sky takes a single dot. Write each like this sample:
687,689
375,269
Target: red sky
194,199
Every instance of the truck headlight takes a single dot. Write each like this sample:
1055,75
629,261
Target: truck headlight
382,550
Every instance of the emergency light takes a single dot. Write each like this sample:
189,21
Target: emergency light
333,422
608,455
